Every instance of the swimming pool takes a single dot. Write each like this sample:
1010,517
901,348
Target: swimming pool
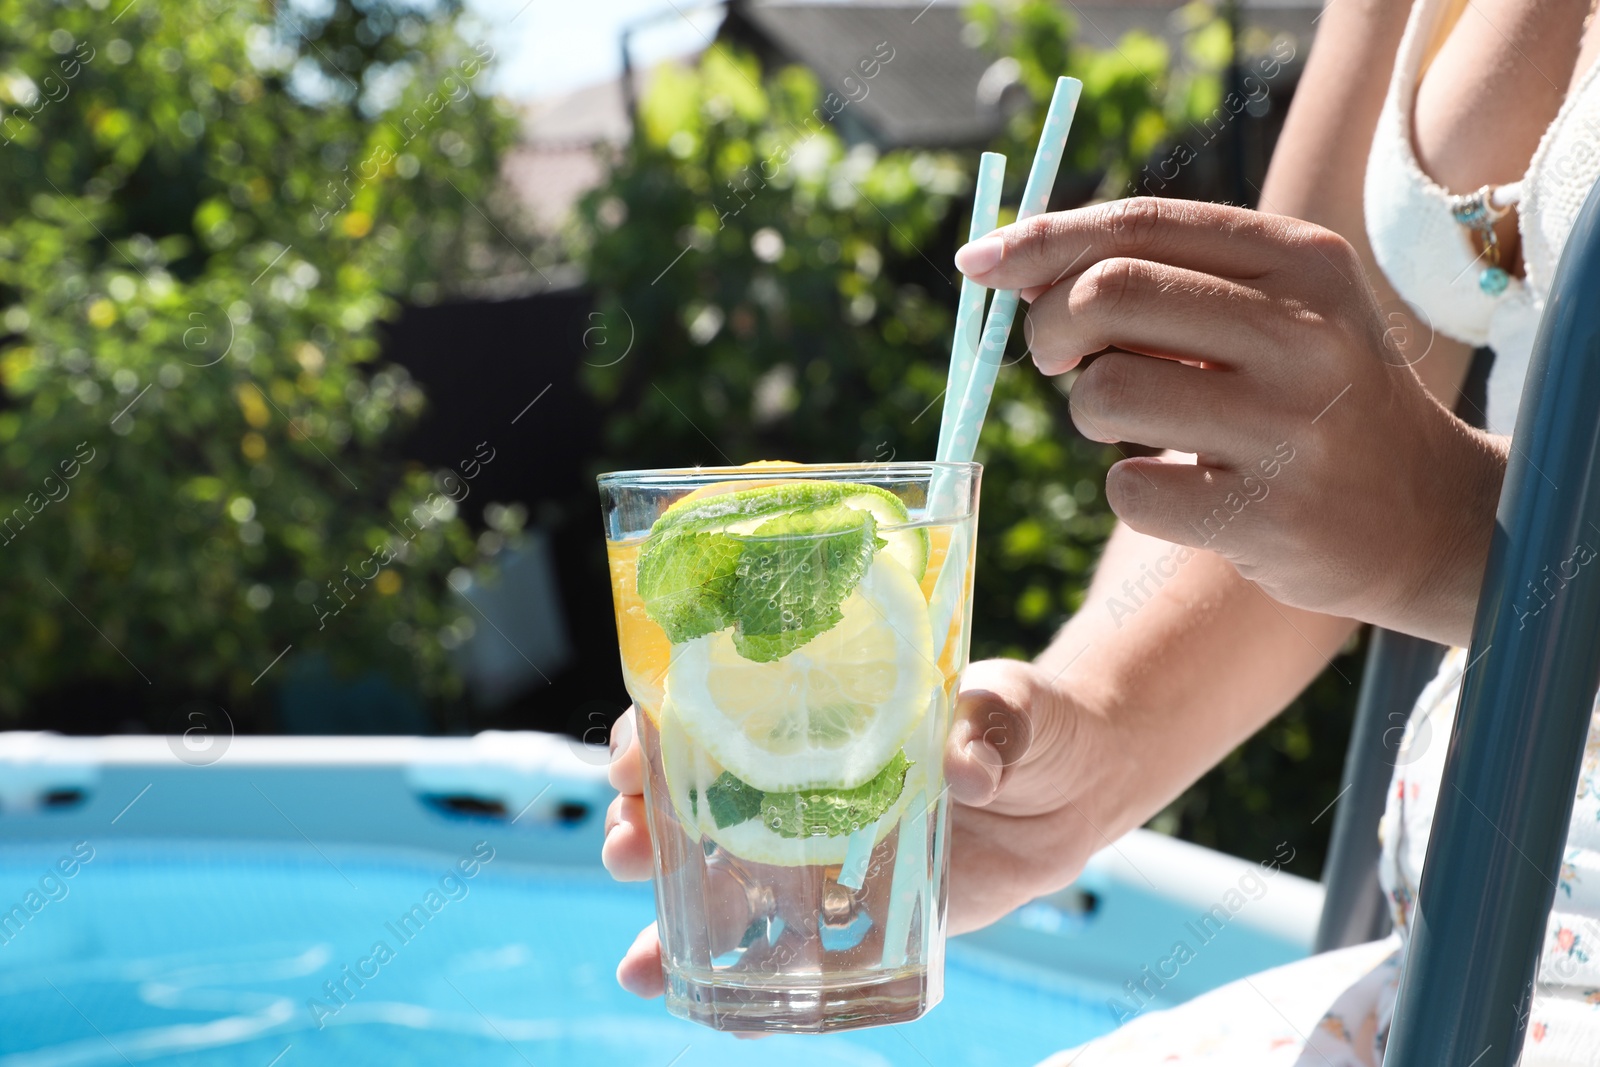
403,901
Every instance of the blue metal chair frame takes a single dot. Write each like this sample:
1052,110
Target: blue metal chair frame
1398,666
1494,855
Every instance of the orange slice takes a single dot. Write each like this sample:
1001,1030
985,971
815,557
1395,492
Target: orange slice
949,643
939,547
646,652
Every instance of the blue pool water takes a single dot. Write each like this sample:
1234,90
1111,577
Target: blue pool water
198,953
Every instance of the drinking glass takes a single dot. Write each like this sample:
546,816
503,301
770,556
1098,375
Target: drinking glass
792,638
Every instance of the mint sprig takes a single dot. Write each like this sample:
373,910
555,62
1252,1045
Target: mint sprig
778,586
810,812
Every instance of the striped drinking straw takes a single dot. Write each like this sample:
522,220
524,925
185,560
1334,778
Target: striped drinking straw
963,436
958,438
969,312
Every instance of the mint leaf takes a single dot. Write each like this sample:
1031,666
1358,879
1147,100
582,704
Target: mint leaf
732,801
811,812
835,812
794,570
687,565
764,648
685,579
779,582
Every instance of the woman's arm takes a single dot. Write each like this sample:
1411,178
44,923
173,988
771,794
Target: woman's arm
1180,682
1176,664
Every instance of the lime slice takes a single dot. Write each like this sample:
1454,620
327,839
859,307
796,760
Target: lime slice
908,545
743,510
828,715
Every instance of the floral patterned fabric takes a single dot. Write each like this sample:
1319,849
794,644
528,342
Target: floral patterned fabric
1564,1020
1334,1009
1314,1011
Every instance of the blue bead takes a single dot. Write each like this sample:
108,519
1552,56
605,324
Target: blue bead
1493,280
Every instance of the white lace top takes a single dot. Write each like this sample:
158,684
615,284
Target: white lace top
1433,262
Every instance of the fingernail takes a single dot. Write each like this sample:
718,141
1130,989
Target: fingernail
986,756
980,256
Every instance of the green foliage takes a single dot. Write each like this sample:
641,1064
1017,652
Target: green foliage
211,207
1134,94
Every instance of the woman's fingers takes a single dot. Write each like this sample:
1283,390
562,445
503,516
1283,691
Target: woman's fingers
995,730
1215,239
640,970
1164,404
626,772
972,767
1142,306
725,915
1187,504
626,852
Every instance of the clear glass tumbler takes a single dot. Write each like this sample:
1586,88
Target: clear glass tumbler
792,637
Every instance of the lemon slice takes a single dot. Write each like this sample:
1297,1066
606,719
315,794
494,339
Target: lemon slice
830,714
691,772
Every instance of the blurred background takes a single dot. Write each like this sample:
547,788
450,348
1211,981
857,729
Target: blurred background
318,319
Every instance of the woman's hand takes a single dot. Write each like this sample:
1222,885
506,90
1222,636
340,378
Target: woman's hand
1025,764
1325,472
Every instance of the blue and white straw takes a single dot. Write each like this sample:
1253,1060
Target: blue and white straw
909,881
969,312
963,436
974,362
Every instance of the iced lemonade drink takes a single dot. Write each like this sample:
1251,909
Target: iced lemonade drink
792,639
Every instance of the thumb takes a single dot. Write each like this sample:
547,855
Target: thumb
993,729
